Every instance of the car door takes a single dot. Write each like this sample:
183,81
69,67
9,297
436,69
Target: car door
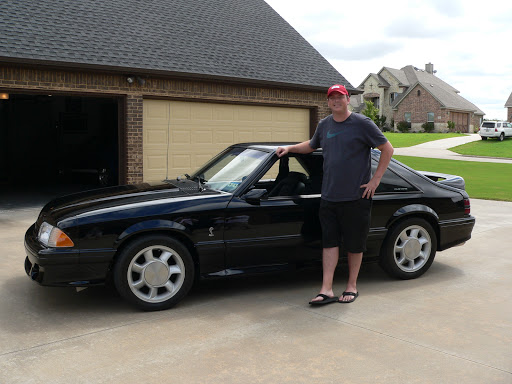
280,228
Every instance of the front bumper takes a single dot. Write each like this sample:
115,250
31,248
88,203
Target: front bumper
62,267
455,232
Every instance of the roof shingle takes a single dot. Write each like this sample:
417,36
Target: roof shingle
243,40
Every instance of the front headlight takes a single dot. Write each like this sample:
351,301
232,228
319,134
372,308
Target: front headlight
52,236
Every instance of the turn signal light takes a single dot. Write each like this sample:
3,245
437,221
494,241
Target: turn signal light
60,239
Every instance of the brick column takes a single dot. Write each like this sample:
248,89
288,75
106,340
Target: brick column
134,110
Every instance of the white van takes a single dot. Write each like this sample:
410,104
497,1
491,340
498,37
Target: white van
497,129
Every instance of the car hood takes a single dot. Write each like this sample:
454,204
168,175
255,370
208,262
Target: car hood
75,204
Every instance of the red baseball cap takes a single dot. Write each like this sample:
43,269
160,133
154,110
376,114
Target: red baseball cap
337,88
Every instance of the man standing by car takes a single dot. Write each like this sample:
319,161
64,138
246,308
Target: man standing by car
346,140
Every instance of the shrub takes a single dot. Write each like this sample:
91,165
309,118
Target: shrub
381,121
428,127
371,112
451,126
403,126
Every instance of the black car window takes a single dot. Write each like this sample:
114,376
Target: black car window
392,183
293,166
293,175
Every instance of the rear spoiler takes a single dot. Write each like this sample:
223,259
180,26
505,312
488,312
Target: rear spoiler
446,179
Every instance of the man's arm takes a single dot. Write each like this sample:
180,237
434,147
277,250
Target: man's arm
386,152
297,148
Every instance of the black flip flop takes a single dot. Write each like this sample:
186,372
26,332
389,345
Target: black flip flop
326,300
349,294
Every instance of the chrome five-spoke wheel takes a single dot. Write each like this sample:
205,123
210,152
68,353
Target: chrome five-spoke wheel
412,248
154,272
409,248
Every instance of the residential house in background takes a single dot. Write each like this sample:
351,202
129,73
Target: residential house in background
508,105
418,96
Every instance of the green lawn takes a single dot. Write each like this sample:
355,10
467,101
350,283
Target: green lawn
490,147
399,140
490,181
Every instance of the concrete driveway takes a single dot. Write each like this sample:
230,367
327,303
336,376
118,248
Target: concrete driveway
452,325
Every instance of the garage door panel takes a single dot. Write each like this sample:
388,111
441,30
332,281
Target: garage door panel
201,112
224,113
224,137
180,137
192,133
157,137
202,137
157,110
284,136
181,161
262,116
178,112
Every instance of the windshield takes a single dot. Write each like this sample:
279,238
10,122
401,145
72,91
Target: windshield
227,171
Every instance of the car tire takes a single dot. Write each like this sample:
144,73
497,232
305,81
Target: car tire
409,248
484,138
154,272
502,137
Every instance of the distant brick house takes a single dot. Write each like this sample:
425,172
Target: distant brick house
149,89
508,105
418,96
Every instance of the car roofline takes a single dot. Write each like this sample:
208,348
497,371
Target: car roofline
268,146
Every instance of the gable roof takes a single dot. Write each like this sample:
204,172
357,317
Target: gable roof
444,93
380,81
242,40
508,104
398,74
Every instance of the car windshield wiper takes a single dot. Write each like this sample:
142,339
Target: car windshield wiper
200,182
186,175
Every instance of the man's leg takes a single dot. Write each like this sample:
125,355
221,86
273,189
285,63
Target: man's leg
329,262
354,265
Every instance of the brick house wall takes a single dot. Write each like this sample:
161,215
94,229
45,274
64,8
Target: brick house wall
509,114
475,122
130,96
418,106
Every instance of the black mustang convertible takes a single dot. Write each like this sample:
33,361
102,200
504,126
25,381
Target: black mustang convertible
245,211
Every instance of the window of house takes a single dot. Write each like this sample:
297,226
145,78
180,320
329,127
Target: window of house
407,118
430,117
392,97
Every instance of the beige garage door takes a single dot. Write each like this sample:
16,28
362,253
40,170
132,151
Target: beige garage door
180,136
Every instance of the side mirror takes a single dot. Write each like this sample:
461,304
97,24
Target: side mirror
254,196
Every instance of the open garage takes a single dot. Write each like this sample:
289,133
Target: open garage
58,140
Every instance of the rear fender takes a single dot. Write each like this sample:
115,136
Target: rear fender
415,209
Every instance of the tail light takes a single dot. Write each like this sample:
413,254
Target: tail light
467,207
495,129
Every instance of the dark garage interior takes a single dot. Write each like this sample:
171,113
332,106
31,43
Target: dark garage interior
58,143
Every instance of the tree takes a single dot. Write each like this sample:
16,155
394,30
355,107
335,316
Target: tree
371,112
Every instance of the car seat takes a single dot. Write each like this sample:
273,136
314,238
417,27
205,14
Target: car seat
292,185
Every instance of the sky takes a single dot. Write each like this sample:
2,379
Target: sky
469,42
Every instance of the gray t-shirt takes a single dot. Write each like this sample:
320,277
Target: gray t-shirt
346,149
